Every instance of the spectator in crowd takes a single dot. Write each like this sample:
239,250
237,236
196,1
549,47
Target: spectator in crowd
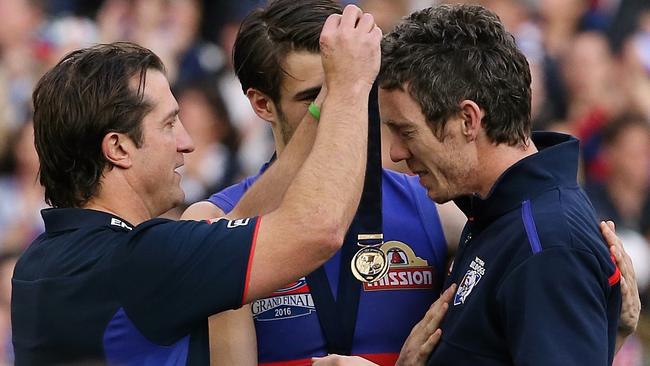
8,258
20,54
214,164
594,96
21,196
626,156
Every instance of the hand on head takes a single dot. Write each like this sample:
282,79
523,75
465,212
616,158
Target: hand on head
350,48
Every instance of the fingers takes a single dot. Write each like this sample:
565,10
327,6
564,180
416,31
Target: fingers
623,260
366,23
351,14
445,298
352,18
350,51
430,344
376,31
449,293
609,234
331,24
611,225
631,303
439,308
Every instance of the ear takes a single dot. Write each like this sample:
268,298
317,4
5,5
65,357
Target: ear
472,116
116,147
262,104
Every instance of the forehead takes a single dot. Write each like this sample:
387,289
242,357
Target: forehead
302,70
156,92
156,88
398,108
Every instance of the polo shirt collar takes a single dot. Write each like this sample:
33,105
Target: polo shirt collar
555,164
63,219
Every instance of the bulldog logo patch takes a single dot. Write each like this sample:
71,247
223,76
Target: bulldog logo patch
470,280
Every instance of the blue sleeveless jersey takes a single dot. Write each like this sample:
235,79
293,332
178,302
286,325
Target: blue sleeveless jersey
288,330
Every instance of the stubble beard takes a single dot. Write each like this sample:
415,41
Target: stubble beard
286,131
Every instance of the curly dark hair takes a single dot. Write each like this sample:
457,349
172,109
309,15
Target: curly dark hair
268,34
84,97
449,53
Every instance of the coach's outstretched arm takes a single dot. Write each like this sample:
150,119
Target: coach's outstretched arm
309,224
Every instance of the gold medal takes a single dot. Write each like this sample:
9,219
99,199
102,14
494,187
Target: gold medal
369,264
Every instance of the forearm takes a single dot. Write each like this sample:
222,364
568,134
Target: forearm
267,193
309,225
332,175
232,338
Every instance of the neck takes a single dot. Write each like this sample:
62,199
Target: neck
116,196
494,160
279,141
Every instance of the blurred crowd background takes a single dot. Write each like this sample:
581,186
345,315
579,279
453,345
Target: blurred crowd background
590,61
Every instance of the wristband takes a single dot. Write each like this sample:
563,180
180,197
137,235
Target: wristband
314,110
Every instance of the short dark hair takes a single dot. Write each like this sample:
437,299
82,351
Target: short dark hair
450,53
268,34
81,99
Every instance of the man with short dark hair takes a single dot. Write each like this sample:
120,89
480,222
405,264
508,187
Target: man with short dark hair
277,58
536,285
108,283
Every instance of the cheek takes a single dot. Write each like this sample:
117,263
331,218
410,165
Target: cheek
296,114
454,164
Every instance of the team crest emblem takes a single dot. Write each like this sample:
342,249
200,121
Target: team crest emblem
470,280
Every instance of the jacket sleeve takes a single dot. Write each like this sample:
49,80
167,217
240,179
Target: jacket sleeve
557,310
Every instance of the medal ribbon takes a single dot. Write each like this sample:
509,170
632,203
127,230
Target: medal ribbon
338,317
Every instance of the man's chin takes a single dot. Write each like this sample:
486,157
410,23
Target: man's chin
437,197
175,199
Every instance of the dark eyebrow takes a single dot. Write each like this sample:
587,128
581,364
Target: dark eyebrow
307,94
171,114
391,123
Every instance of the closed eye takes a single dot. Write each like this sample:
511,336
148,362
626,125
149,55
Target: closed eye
407,134
172,121
307,95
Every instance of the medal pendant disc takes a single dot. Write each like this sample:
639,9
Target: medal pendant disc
369,265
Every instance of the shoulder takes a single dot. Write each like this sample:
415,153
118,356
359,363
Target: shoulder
227,198
402,186
396,178
562,222
563,217
202,210
404,193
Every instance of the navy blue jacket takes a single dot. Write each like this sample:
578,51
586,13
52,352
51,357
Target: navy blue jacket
537,285
93,289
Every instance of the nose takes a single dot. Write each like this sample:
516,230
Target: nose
398,149
184,142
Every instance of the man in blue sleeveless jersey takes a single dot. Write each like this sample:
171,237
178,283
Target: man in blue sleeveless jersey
107,283
277,60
